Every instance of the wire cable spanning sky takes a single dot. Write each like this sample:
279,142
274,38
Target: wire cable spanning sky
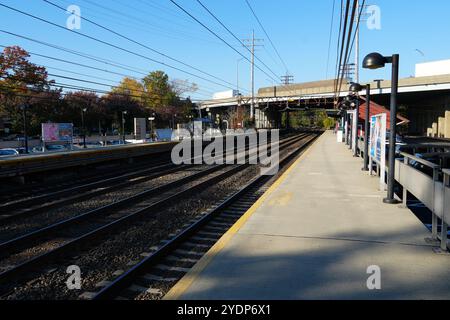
296,37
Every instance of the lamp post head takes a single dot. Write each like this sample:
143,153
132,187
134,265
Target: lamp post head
355,87
348,98
345,105
375,60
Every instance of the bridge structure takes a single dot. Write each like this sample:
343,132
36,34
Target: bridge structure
423,99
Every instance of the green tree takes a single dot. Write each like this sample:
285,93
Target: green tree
329,123
130,87
159,93
163,96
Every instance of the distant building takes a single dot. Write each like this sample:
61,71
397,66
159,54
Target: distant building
433,68
225,94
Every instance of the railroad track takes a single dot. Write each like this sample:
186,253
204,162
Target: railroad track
109,219
15,210
160,269
14,197
31,190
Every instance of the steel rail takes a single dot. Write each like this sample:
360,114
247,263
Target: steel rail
88,238
123,281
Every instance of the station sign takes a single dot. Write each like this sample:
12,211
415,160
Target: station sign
140,128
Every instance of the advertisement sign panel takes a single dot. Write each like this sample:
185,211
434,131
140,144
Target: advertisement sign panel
377,144
57,132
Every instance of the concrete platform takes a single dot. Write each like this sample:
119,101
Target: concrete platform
314,234
41,162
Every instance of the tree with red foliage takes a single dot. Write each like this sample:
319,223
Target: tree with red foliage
25,83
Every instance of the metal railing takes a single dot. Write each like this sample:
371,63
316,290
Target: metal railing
446,208
430,190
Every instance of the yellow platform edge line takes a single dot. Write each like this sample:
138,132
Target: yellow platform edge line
184,283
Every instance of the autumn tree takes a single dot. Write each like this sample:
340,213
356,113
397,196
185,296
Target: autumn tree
159,93
25,83
18,74
131,87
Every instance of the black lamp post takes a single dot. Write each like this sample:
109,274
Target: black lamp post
83,111
173,121
355,134
349,103
123,125
356,87
376,61
25,125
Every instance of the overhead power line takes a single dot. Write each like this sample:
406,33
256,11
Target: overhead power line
239,40
86,56
344,34
113,45
357,27
338,43
347,49
6,90
140,44
74,63
349,42
220,38
267,35
331,35
89,67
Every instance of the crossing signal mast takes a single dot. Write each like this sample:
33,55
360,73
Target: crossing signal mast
252,44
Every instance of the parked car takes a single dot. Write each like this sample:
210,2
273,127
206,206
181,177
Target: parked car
95,144
8,152
116,142
22,150
55,147
423,168
36,149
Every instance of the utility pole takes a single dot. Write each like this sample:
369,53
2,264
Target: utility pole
287,79
83,127
251,43
237,73
252,105
357,47
25,126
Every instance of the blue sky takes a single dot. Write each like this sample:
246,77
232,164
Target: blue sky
298,28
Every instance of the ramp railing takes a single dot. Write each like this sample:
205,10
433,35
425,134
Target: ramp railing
428,189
